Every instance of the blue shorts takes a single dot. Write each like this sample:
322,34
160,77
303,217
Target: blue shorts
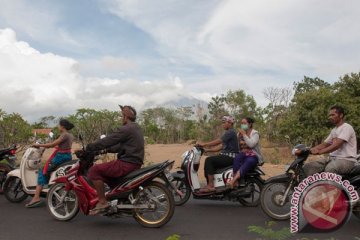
59,159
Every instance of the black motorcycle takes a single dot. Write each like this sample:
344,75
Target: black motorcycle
187,182
7,163
276,195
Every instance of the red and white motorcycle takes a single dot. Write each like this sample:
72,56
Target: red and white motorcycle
137,194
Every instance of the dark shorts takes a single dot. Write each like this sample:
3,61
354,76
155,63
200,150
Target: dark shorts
109,171
216,162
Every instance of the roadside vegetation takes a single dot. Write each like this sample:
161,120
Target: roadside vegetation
299,112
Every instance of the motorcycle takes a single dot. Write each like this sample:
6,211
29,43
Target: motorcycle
277,192
7,163
22,181
187,182
136,194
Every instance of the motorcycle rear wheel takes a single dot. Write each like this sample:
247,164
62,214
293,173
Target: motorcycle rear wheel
182,186
158,194
253,200
13,190
63,205
270,200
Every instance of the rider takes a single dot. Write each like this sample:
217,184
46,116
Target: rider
249,155
128,142
229,147
341,144
61,154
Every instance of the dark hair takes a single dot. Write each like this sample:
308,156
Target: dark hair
338,109
66,124
129,112
250,121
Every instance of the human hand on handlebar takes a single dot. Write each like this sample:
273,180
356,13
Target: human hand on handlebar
199,145
314,151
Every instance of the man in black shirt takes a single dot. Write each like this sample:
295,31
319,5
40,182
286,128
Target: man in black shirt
128,142
228,145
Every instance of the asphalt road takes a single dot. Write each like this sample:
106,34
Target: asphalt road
197,219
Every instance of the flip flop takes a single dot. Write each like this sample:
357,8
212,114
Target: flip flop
98,209
207,190
34,204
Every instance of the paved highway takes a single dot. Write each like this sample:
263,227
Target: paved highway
198,219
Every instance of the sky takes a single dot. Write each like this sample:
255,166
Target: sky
58,56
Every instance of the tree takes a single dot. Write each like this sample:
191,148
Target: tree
13,129
279,100
45,122
91,124
241,105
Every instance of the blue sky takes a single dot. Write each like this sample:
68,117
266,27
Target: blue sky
98,53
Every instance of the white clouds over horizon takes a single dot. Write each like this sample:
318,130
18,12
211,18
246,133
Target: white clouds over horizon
98,53
37,84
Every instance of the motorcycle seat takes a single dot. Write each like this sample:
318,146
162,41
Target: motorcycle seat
221,170
141,171
252,172
116,181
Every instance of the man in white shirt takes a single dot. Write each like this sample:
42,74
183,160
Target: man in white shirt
340,144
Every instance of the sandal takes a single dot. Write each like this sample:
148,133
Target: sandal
207,190
98,209
33,204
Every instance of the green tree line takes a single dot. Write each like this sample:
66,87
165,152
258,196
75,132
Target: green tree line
300,112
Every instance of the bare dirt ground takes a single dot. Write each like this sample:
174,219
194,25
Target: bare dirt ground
156,153
159,152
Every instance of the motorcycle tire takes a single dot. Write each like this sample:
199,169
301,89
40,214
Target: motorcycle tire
13,190
4,169
66,209
160,196
269,198
253,199
356,207
184,187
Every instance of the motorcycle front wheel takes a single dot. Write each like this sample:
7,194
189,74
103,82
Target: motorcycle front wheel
63,205
271,197
356,207
184,188
161,205
4,169
13,190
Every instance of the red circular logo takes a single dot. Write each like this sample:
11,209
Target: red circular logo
325,206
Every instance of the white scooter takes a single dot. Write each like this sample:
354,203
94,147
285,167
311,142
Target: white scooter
22,181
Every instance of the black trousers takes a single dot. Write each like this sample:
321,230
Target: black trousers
216,162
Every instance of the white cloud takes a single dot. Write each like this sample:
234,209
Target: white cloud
117,63
248,41
37,84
